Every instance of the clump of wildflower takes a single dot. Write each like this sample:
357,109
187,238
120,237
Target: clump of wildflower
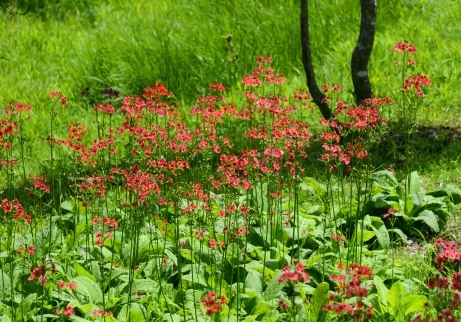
106,224
298,274
16,209
40,272
100,313
60,97
351,288
445,288
416,82
63,285
66,312
211,303
448,254
405,46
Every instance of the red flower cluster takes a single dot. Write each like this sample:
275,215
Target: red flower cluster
106,222
404,46
416,81
40,184
39,272
101,312
448,252
297,275
63,285
351,284
60,96
211,303
350,119
16,209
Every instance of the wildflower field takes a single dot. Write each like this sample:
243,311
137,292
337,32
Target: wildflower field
234,201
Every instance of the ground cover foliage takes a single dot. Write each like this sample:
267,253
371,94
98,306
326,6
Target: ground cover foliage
213,215
238,205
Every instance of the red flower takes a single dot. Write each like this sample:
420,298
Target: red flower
298,275
404,46
210,303
68,311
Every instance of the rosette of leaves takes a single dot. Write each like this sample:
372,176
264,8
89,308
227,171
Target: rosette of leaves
417,213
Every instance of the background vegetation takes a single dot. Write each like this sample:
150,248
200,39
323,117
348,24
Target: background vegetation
71,45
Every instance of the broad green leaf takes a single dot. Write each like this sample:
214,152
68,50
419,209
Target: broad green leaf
5,318
143,285
261,308
429,218
253,281
131,313
66,205
136,316
87,290
314,187
364,235
381,290
415,189
5,285
394,297
26,304
272,289
400,233
382,235
385,180
318,300
455,193
414,303
83,272
195,279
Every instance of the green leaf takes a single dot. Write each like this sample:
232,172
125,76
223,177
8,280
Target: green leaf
253,281
414,303
136,316
385,180
313,186
66,205
318,300
261,308
5,318
394,297
5,285
429,218
415,189
83,272
272,289
195,279
399,232
27,303
143,285
364,235
382,235
381,290
87,290
135,313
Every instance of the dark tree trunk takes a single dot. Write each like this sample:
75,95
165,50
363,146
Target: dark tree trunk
317,95
362,52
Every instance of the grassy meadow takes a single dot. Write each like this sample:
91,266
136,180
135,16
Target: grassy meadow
162,161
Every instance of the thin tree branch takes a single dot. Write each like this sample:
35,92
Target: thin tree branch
317,95
362,52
